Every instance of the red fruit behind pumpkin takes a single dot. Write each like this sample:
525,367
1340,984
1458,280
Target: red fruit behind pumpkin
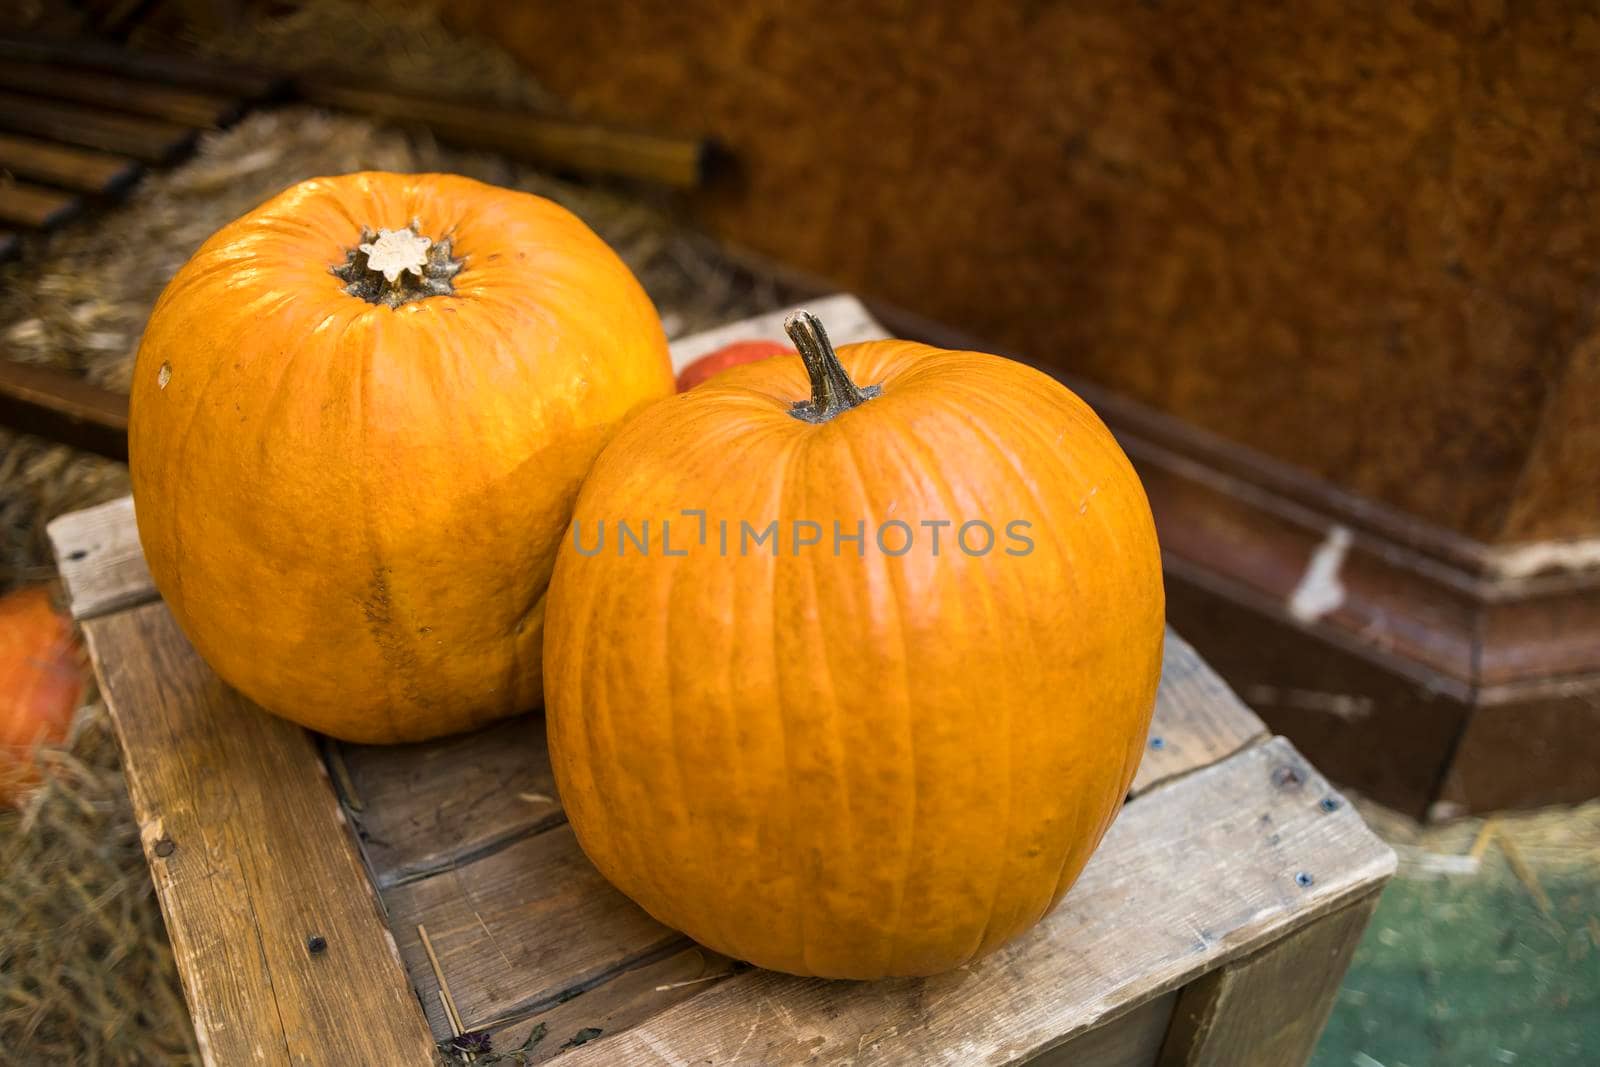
714,363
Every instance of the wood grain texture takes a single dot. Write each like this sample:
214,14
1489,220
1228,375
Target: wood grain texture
147,140
423,808
112,92
250,858
1269,1009
230,79
1364,725
1130,1040
624,1000
98,555
63,407
1526,746
554,142
35,207
518,929
79,169
1191,876
1198,721
1357,238
466,836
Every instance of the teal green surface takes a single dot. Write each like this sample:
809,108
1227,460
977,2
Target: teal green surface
1459,971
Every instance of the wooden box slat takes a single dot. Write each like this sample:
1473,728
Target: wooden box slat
1191,875
35,207
466,837
111,92
147,140
518,929
220,78
98,555
250,855
422,809
80,169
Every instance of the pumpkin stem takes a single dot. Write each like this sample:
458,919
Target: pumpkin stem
394,267
832,390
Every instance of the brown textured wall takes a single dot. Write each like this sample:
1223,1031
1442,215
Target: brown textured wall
1363,237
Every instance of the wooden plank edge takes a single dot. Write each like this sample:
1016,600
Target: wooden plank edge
63,408
1215,951
253,84
98,556
677,161
1271,1006
153,835
407,874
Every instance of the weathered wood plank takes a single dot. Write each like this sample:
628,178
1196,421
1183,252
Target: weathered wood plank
97,552
35,207
1269,1009
232,79
148,140
422,808
1198,721
1191,876
112,92
625,1000
1131,1040
80,169
63,407
517,929
428,808
251,860
563,143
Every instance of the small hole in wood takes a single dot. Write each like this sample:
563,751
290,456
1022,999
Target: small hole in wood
164,375
316,943
1304,880
1157,744
76,554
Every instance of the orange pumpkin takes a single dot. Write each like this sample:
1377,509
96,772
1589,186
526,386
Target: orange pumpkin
41,683
360,416
837,750
714,363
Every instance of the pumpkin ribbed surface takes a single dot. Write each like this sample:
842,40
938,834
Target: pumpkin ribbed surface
864,764
350,487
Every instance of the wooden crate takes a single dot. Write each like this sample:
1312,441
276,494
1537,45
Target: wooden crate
342,904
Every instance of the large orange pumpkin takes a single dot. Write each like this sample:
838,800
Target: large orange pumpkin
854,757
360,416
41,682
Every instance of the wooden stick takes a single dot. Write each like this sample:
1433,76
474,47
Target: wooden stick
148,140
35,207
444,986
64,408
232,79
588,147
80,169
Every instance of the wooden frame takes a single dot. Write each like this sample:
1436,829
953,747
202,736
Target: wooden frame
331,903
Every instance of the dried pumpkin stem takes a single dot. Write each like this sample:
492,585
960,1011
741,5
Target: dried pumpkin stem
394,267
832,390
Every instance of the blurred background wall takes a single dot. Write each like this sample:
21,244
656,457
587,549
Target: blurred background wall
1358,237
